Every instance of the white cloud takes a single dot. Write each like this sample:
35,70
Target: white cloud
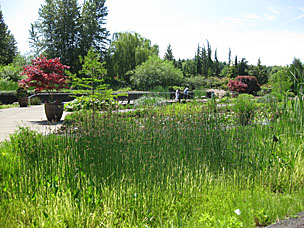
269,17
233,20
274,10
295,19
251,16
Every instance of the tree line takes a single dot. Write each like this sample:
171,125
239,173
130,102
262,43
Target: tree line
67,30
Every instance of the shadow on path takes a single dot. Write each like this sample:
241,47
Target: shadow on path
46,123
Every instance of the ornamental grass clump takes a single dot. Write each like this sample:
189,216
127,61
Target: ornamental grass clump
244,108
45,74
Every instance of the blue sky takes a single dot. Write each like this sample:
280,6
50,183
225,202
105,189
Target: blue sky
268,29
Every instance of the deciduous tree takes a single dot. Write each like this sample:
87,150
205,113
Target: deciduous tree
129,50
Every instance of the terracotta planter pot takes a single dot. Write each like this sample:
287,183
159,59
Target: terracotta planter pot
23,101
53,111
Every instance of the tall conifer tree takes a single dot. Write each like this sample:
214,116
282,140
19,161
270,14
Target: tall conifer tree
66,30
92,26
169,54
8,48
198,61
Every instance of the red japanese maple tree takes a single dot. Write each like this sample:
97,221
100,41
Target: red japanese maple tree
236,86
45,74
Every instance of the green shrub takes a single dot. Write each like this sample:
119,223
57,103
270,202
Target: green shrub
265,89
86,103
199,93
149,101
196,82
280,82
35,101
156,72
268,98
21,92
6,85
11,72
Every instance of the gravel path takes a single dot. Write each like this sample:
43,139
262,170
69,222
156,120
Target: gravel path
297,222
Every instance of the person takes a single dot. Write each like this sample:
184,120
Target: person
176,94
186,92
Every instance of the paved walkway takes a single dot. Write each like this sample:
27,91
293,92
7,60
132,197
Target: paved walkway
32,116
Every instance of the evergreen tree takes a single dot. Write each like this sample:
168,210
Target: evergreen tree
216,65
229,57
8,48
198,61
56,32
232,71
189,68
65,30
243,67
204,62
259,71
92,30
209,61
179,65
169,54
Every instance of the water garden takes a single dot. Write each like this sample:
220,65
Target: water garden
230,162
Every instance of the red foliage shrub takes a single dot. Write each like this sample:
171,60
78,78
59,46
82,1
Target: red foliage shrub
44,74
251,82
236,86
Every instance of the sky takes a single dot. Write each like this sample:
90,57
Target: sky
271,30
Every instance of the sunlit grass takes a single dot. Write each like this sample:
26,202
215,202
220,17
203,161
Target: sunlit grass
2,106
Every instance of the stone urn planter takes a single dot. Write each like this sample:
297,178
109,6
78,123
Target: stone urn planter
53,111
22,96
23,101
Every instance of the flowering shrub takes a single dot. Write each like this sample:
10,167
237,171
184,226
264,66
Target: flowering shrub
45,74
236,86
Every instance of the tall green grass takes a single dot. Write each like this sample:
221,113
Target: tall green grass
182,166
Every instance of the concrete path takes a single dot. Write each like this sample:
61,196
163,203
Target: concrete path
32,116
